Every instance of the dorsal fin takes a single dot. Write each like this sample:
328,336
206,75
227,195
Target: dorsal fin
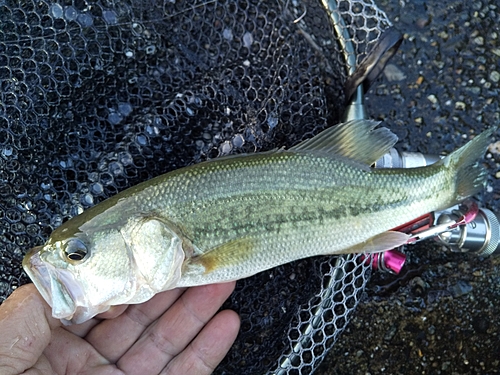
356,140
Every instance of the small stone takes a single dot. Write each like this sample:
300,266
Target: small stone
474,90
494,148
423,22
432,98
393,73
494,76
460,288
460,106
439,64
418,286
443,35
479,40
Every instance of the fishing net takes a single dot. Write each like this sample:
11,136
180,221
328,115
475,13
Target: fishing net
97,96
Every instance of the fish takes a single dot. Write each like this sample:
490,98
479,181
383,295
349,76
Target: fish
231,217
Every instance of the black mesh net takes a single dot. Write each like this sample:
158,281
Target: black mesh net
97,96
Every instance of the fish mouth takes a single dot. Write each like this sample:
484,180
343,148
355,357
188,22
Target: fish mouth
60,289
57,286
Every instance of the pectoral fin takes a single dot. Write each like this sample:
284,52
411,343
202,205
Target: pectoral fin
230,253
381,242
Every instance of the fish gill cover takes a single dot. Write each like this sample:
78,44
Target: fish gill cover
97,96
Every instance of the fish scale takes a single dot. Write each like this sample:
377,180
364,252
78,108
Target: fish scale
301,219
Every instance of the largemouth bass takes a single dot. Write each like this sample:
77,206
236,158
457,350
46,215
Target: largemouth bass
233,217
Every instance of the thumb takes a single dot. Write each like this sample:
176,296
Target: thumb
26,324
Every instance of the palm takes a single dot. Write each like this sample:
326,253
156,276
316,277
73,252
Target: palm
172,333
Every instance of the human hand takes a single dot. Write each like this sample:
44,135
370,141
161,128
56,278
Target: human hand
175,332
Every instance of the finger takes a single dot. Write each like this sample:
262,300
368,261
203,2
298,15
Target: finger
171,333
26,324
112,338
113,312
83,329
209,348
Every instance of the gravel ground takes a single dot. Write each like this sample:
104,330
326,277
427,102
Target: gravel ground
442,314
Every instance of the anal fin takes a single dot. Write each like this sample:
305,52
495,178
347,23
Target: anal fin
381,242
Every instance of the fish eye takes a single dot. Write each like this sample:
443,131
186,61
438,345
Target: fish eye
75,251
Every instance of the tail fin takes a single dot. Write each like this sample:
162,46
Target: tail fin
470,174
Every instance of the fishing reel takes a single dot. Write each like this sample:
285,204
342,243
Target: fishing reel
464,228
